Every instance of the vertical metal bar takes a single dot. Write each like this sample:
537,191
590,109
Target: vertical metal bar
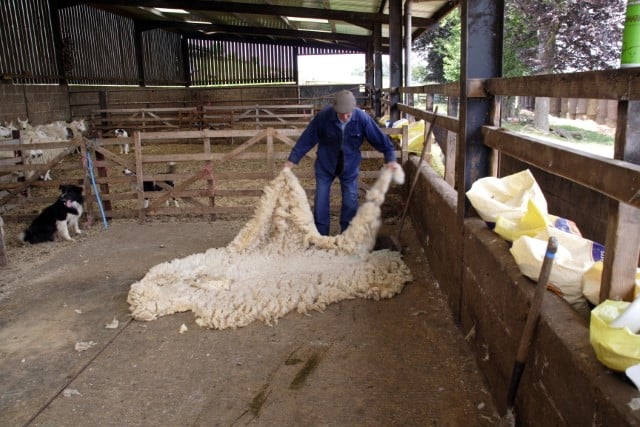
186,60
481,54
395,56
407,49
377,68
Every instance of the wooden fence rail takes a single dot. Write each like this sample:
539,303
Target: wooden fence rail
618,179
214,172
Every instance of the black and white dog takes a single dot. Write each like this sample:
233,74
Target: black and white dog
58,218
148,186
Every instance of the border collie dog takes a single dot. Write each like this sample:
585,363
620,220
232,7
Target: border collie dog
58,218
148,186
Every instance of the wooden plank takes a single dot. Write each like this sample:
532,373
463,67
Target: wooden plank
592,171
446,89
40,170
450,123
206,108
141,110
619,84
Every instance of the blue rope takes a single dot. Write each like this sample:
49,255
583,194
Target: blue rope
95,190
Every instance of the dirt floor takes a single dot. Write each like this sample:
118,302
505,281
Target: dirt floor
359,363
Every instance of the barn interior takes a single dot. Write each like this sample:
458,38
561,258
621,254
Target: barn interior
212,89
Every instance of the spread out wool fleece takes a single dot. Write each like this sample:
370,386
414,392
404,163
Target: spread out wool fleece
277,263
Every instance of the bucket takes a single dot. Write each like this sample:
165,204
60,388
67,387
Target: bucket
631,36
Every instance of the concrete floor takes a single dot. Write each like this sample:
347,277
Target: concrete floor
360,363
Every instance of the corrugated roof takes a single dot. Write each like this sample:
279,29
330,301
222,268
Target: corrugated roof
344,24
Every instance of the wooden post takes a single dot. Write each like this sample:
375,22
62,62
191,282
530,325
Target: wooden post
581,108
3,250
102,173
601,114
592,109
623,226
612,113
554,107
210,182
139,176
452,141
404,154
137,43
270,157
54,7
571,108
88,193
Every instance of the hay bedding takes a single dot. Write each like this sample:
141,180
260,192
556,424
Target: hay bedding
277,263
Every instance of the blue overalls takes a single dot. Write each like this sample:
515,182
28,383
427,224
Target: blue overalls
332,137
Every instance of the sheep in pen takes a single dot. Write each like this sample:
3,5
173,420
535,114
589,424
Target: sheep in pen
277,263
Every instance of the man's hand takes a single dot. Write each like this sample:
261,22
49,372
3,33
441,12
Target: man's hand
288,165
393,165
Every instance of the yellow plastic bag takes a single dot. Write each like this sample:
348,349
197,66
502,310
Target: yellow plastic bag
416,137
398,124
531,223
616,348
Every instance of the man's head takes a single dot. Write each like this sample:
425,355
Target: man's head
344,104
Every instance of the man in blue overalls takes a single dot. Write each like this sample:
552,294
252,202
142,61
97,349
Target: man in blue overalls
339,131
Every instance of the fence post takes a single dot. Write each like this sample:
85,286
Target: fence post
210,182
85,182
139,176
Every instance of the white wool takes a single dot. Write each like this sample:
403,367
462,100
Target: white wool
276,264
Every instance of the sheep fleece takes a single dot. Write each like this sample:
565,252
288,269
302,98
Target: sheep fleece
277,263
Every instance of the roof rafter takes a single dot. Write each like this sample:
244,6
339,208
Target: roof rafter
356,18
359,41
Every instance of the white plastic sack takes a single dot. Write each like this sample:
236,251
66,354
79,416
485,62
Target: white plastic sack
506,197
575,256
592,279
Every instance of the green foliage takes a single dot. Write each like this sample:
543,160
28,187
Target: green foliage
543,36
449,48
519,42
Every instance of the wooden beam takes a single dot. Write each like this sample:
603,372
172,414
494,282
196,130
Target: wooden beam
450,123
285,41
592,171
261,31
620,84
446,89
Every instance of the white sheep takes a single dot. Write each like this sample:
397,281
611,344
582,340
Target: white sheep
276,264
6,131
24,124
51,132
